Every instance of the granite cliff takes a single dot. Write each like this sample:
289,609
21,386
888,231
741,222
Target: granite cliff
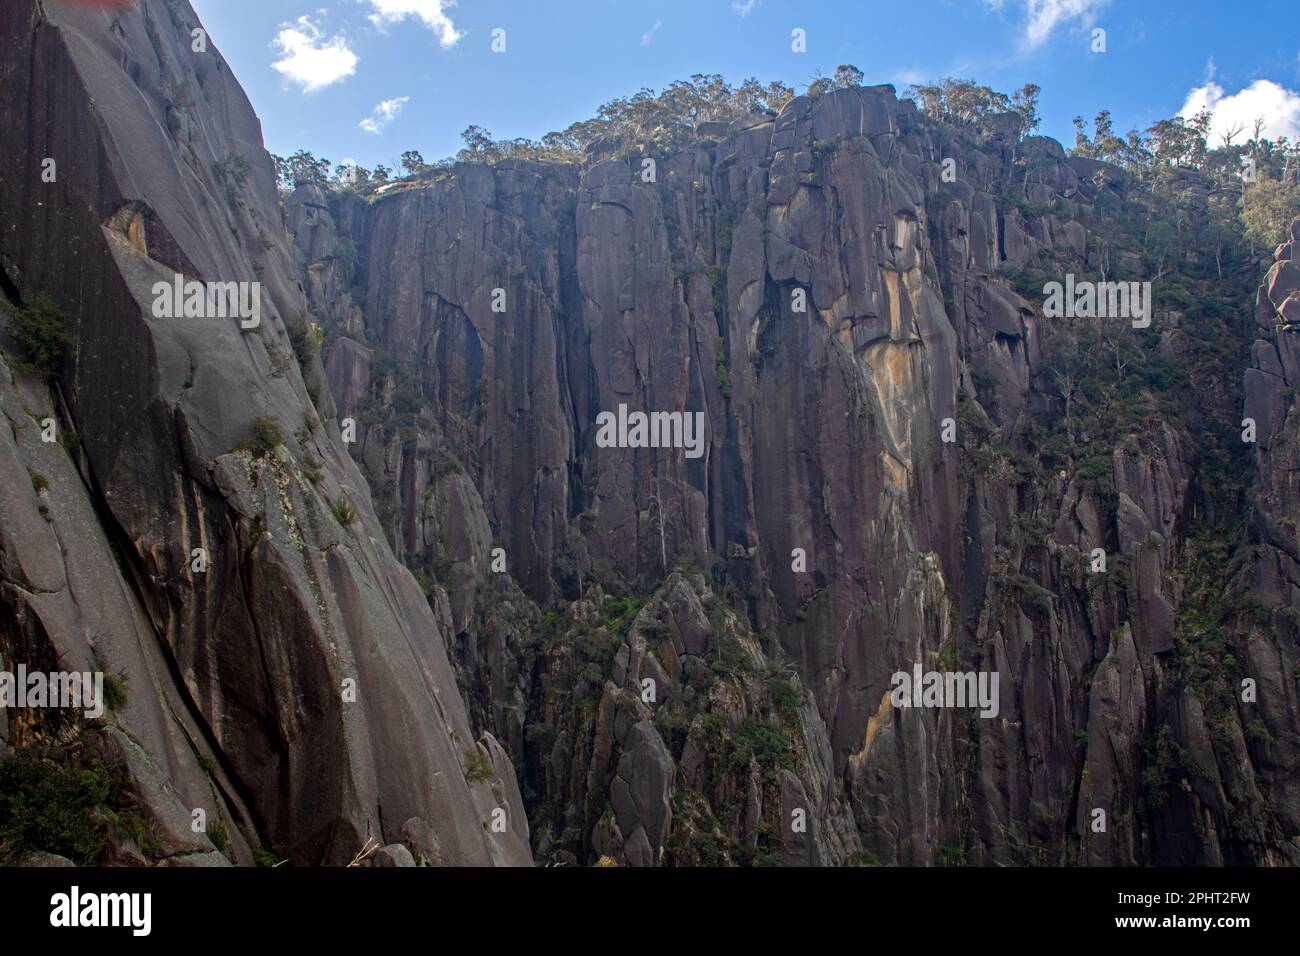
433,600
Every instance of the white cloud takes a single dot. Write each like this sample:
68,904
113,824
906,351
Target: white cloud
384,113
744,7
1046,15
432,12
310,60
909,76
1277,106
650,35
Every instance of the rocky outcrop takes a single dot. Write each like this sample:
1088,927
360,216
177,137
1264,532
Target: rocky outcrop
663,735
1269,724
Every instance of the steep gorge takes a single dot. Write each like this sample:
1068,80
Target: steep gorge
824,434
765,733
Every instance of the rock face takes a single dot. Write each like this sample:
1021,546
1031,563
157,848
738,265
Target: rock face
284,672
815,287
1269,648
635,654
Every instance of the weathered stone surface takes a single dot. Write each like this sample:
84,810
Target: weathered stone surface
240,666
395,854
807,282
822,434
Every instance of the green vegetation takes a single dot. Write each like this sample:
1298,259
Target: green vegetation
1164,761
264,857
301,169
306,337
619,613
846,76
400,413
822,148
1026,209
394,404
1030,592
657,123
549,630
787,694
1259,177
115,692
70,441
218,836
951,856
1217,604
41,333
478,769
1267,208
592,649
965,101
344,512
265,438
723,369
346,253
64,810
769,745
647,122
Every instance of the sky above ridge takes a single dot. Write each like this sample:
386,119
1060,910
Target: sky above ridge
363,80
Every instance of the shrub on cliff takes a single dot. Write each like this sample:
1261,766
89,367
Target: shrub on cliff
478,768
64,810
41,333
344,513
265,438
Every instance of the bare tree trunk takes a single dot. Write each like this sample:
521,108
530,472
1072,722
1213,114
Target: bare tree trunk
658,504
656,499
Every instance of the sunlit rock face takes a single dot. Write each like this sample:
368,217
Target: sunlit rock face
297,688
437,601
814,284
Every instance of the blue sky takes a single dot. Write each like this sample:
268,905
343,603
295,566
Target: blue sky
364,80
